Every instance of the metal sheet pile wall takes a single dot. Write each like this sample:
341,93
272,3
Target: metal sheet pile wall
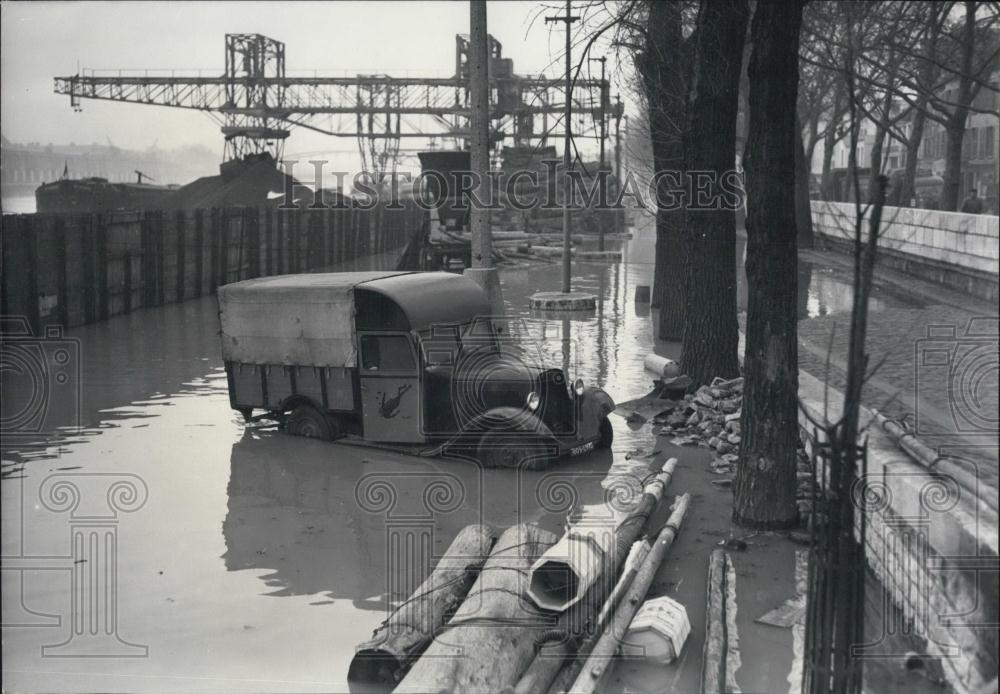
71,270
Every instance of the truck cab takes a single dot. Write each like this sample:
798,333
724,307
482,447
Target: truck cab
408,360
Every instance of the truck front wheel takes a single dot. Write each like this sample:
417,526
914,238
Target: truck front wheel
513,451
306,420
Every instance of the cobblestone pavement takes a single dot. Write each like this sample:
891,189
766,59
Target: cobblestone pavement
934,352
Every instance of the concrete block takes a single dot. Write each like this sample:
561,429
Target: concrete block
939,238
559,301
927,236
904,487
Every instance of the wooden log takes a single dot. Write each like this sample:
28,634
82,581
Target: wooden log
574,623
713,673
721,654
597,665
410,628
491,639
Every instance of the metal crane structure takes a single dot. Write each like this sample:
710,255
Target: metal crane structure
257,102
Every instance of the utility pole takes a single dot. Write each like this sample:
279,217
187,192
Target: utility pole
568,19
482,271
618,139
618,148
566,300
479,142
602,188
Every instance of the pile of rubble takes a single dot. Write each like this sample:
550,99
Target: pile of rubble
708,417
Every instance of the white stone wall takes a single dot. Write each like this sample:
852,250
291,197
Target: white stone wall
964,240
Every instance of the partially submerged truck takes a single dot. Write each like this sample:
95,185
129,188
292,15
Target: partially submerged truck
406,360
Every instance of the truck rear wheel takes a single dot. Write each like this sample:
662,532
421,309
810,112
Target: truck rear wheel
513,451
306,420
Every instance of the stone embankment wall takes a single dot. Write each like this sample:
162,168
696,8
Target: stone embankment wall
68,270
961,251
931,539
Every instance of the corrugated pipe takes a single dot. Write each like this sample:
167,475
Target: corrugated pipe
563,575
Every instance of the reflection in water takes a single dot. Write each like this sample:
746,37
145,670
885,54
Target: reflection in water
805,278
365,525
292,510
830,291
822,290
741,273
131,367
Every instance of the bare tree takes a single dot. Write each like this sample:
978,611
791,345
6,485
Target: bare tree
663,65
923,61
955,115
925,76
711,333
764,489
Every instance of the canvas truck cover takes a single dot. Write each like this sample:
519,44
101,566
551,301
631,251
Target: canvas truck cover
292,319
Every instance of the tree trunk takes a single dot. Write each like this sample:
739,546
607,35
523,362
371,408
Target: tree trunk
875,160
830,140
803,206
927,75
764,488
401,638
663,74
491,639
951,194
908,185
810,148
711,333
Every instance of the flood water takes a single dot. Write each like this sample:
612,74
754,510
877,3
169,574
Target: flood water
235,558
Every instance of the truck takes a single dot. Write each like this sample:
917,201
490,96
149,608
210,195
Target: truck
405,360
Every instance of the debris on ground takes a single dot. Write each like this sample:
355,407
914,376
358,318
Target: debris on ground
786,615
709,417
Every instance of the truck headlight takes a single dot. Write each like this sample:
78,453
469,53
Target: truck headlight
533,401
578,386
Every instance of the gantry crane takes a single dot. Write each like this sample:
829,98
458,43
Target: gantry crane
257,102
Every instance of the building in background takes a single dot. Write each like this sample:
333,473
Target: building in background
980,148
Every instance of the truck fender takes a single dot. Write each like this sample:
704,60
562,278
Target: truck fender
594,405
509,419
606,405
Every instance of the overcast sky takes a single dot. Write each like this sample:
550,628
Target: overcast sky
45,39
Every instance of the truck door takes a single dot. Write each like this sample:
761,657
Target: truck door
390,388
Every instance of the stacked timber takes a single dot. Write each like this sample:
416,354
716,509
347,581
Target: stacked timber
543,614
400,640
491,639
